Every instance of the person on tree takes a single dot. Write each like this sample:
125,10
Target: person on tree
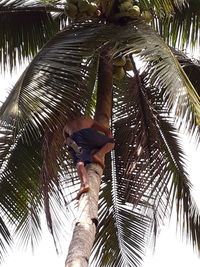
88,142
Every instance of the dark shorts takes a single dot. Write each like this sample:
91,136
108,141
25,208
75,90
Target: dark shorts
89,139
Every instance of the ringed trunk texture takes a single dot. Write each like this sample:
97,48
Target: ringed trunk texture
87,219
104,92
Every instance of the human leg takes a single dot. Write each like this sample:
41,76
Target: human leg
83,177
98,157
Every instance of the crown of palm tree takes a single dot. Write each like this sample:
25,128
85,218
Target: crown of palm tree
145,174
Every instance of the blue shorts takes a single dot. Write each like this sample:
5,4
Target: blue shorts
89,139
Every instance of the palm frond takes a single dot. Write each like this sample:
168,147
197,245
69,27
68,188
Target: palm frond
149,162
5,238
161,8
60,82
41,126
191,68
20,191
166,72
164,68
121,232
188,214
25,28
182,29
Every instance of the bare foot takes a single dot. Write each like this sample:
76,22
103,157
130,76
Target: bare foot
83,189
98,160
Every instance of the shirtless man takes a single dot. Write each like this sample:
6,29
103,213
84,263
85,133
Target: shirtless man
88,141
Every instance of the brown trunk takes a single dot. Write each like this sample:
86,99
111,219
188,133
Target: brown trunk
104,92
87,219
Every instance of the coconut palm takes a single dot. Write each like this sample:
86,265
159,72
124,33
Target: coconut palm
72,71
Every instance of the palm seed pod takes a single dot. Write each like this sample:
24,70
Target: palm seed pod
147,16
72,2
119,62
71,11
92,10
128,66
134,11
118,72
125,6
83,5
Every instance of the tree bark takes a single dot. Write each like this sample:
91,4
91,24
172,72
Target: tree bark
87,219
104,90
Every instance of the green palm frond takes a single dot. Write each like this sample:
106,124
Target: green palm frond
41,118
149,162
25,28
121,233
60,83
165,71
32,103
20,195
5,238
188,214
161,8
191,68
182,29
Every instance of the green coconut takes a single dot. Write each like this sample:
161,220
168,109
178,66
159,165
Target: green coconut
125,6
71,11
134,11
72,2
128,66
92,10
83,5
147,16
119,62
118,73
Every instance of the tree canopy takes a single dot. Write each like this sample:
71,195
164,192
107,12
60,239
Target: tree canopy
145,175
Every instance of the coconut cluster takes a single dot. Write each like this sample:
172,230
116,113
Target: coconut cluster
79,9
128,9
120,66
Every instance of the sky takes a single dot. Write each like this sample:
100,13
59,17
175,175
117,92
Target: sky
170,250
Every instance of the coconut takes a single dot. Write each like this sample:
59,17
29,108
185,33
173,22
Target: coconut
83,5
72,2
118,73
128,66
71,11
125,6
92,10
134,11
147,16
119,62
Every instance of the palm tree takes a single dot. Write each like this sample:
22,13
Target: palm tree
73,70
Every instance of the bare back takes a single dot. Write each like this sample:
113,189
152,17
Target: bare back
78,124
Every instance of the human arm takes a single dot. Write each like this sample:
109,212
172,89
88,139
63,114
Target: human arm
65,135
102,128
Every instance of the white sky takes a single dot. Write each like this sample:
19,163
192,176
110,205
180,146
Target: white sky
170,250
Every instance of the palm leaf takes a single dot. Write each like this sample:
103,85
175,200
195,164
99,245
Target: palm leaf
5,237
164,68
179,91
122,232
161,8
148,158
25,28
181,30
191,68
20,195
60,82
21,130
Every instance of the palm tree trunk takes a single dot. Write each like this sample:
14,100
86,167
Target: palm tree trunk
87,219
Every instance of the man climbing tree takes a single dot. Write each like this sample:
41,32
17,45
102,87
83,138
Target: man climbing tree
88,141
89,66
